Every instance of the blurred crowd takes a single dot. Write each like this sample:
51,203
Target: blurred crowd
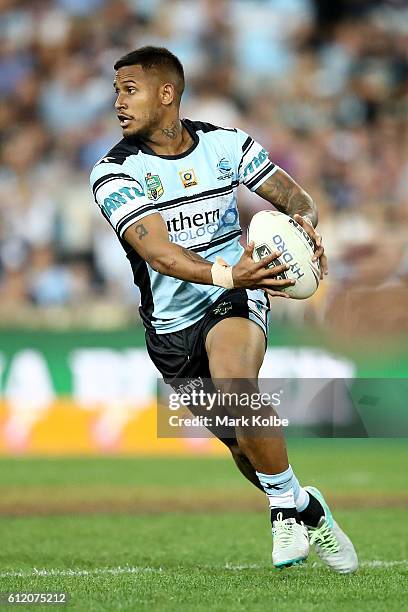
322,85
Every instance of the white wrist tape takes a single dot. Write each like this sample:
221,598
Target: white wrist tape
222,274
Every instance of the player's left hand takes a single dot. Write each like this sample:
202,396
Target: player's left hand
317,239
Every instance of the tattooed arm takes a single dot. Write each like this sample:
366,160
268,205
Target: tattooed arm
150,239
288,197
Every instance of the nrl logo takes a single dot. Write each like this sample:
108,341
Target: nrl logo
154,186
222,308
262,251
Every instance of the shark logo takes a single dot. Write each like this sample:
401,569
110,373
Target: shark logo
224,168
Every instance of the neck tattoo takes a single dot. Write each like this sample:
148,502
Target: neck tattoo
171,131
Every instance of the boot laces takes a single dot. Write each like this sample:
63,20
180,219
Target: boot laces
283,531
324,537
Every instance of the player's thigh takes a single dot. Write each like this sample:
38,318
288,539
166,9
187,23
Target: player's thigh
235,348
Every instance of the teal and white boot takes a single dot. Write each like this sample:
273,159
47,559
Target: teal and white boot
290,542
332,545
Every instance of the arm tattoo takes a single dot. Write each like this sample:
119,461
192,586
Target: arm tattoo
171,131
192,256
288,197
141,231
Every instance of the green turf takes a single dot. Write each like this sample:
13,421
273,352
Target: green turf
343,465
205,561
182,562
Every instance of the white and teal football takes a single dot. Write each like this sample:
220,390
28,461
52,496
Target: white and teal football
273,231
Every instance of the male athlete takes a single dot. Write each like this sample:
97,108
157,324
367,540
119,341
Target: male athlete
168,189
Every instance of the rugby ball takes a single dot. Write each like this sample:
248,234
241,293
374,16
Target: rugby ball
273,231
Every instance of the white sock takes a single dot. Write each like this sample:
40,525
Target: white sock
301,499
301,495
278,488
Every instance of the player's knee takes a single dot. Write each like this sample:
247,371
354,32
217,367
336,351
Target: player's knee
235,393
236,384
238,364
233,369
231,373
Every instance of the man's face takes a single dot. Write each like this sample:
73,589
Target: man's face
138,104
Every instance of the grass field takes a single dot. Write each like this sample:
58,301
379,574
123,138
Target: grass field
190,534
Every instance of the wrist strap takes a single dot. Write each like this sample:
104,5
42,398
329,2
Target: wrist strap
222,274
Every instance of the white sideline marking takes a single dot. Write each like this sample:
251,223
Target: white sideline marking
98,571
377,563
370,564
116,571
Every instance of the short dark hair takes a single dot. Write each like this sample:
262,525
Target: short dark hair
154,57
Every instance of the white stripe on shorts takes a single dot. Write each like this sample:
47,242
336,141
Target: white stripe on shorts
258,306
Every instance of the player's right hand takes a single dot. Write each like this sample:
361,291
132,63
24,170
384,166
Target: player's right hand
249,274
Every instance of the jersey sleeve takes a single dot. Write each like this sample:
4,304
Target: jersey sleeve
120,196
254,165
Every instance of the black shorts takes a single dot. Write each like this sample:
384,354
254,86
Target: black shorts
182,354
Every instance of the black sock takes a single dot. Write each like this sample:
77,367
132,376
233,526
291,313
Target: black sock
313,512
286,513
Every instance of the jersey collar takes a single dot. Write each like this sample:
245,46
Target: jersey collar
187,124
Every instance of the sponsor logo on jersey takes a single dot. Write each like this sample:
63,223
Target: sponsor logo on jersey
224,169
116,199
190,227
154,186
230,217
188,178
222,308
256,162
